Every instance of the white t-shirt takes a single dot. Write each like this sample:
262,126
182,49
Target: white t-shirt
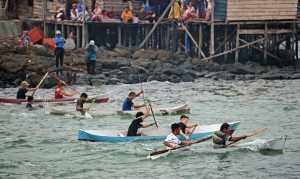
173,139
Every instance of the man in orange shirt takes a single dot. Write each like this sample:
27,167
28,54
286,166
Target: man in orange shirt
127,15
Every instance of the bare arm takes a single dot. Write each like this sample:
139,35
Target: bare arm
148,125
141,92
138,106
237,138
168,144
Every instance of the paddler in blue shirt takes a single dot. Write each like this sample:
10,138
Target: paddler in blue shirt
223,137
128,104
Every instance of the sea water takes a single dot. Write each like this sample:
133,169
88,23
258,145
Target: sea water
35,144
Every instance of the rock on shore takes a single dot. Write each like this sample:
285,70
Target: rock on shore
122,65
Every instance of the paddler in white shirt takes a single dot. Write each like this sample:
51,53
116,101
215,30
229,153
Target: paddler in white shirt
172,141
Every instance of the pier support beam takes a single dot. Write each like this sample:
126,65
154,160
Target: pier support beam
225,42
200,40
237,44
266,43
212,30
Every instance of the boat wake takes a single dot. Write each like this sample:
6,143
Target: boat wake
277,144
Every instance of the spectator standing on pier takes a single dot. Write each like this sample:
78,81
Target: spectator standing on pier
189,12
59,50
74,12
97,13
208,10
127,15
91,56
60,16
175,12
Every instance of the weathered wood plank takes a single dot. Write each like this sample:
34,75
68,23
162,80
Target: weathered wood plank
261,10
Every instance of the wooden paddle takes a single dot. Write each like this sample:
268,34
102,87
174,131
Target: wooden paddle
88,115
40,83
152,114
159,152
251,134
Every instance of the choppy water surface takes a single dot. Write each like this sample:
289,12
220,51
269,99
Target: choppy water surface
39,145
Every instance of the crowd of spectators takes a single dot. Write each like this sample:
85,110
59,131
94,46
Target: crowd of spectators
150,10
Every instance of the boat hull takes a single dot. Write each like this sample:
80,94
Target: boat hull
177,110
159,134
20,101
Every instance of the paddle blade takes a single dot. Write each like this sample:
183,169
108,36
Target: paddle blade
256,132
88,115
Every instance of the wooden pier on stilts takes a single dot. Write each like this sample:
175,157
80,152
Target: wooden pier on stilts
237,31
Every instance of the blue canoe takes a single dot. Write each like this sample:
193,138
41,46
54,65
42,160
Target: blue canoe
202,131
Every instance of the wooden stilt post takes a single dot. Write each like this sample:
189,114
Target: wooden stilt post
44,16
77,36
63,30
295,42
119,36
225,42
55,27
68,31
266,43
200,40
212,30
237,43
83,35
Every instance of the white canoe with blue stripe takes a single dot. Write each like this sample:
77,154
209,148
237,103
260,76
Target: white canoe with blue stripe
202,131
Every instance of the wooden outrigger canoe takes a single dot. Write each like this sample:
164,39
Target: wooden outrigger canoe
180,109
71,100
202,131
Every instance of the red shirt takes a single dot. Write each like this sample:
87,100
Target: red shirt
58,94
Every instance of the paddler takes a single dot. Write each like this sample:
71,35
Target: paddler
137,123
128,104
29,103
223,137
185,128
81,101
24,88
60,91
172,141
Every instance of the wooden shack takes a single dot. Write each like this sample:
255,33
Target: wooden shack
253,10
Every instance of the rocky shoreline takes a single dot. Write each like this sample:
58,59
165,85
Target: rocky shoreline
121,65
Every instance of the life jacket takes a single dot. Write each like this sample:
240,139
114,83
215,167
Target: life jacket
58,94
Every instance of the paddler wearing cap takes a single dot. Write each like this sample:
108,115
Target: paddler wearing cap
59,49
91,56
23,89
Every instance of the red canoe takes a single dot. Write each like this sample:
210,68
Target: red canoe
20,101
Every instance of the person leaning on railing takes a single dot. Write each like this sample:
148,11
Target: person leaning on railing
127,15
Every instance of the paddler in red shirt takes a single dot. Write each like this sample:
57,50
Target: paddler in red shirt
60,92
